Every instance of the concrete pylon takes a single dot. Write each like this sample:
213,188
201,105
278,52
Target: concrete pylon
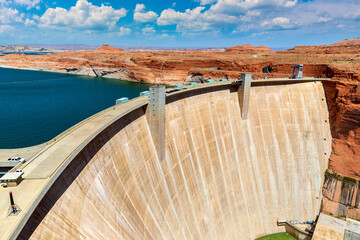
244,94
156,119
297,71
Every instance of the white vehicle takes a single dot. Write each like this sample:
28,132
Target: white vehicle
16,159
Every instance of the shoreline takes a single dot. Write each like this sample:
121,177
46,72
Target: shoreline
91,73
62,72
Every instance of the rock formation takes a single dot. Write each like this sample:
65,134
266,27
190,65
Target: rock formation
344,110
348,43
247,48
108,49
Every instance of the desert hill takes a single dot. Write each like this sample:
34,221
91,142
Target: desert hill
348,43
247,48
108,49
346,46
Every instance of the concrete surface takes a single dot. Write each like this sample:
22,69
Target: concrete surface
331,228
222,178
26,153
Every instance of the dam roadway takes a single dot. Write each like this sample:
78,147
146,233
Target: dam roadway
223,177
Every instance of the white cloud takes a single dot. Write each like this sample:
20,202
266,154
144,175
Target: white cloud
170,16
253,13
6,28
28,3
260,15
278,23
139,7
83,16
355,15
29,22
8,15
148,30
224,14
124,31
206,2
195,21
324,19
241,6
141,16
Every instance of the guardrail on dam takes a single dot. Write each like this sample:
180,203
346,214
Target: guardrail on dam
222,177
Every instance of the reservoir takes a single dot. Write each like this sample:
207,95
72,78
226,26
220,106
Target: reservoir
36,106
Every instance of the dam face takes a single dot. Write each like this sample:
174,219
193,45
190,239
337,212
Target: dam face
222,177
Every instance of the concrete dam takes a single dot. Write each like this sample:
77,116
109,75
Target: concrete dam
230,167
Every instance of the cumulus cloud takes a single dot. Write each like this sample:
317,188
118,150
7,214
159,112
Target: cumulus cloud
8,15
148,30
139,7
195,21
355,15
83,16
29,22
279,23
6,28
28,3
170,16
324,19
224,14
206,2
241,6
141,16
124,31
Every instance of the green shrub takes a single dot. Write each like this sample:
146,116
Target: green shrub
332,175
349,180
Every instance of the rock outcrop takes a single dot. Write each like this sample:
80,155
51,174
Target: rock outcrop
108,49
348,43
247,48
341,196
344,109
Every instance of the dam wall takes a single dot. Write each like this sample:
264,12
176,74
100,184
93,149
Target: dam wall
223,177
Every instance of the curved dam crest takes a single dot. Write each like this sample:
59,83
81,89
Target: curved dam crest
223,177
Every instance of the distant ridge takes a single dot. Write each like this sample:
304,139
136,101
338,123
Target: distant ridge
108,49
247,48
347,42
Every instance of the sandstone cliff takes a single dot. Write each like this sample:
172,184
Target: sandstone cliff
341,196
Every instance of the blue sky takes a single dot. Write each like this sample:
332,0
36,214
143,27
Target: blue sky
175,23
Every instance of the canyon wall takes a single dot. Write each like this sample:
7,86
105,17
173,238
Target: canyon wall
341,196
223,177
344,109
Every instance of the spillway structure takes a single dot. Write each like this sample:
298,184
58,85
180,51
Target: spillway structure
235,158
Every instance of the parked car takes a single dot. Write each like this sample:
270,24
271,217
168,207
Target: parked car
16,159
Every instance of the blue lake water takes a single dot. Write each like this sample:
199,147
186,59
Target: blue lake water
26,53
37,106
